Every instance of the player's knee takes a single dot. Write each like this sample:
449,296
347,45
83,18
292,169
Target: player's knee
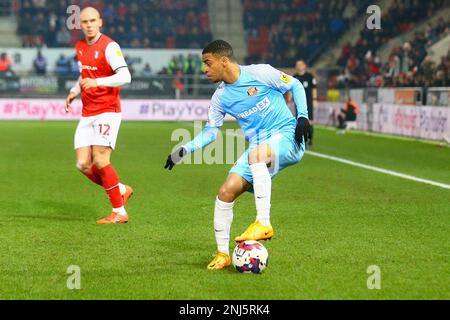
101,157
226,194
83,165
100,162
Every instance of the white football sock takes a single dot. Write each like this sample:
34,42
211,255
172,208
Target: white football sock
262,186
122,188
223,217
120,211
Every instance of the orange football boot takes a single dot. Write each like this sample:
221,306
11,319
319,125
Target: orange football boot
221,261
113,218
256,231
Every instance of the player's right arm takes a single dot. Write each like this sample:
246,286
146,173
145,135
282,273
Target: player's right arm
205,137
73,93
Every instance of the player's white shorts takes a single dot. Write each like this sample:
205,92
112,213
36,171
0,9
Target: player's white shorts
98,130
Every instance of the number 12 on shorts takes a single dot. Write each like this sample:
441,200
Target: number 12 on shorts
104,129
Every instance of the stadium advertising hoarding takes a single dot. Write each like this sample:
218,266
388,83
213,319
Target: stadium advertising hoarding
29,85
420,122
50,85
132,109
427,122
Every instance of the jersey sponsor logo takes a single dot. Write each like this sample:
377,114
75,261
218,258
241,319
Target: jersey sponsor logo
260,106
252,91
284,77
93,68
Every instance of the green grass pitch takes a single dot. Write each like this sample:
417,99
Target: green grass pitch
332,221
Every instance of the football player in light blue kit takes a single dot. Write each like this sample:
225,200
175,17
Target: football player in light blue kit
254,96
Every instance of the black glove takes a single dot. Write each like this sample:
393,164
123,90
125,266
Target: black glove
175,157
303,130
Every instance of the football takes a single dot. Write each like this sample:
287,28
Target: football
250,257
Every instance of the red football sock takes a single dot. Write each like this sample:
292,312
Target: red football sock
94,175
111,184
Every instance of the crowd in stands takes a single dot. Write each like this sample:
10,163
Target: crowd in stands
67,66
281,32
277,32
133,23
190,65
407,65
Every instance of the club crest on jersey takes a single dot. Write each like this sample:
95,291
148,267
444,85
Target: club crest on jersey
96,55
252,91
284,77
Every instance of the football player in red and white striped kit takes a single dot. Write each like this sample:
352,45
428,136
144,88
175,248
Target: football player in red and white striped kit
102,71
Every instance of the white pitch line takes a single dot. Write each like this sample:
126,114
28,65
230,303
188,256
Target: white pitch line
381,170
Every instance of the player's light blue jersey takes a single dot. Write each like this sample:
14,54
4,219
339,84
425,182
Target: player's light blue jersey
256,100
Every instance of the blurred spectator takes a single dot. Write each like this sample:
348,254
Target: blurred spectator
63,38
440,80
174,65
74,68
189,70
130,63
347,113
178,84
109,12
163,71
5,66
147,71
189,66
62,66
40,64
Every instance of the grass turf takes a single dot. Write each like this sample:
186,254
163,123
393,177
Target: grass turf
332,221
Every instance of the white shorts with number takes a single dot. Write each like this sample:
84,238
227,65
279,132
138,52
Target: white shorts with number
99,130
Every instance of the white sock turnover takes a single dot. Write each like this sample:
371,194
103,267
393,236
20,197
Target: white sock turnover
121,211
122,188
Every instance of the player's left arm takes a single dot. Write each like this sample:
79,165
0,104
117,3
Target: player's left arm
121,75
283,83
